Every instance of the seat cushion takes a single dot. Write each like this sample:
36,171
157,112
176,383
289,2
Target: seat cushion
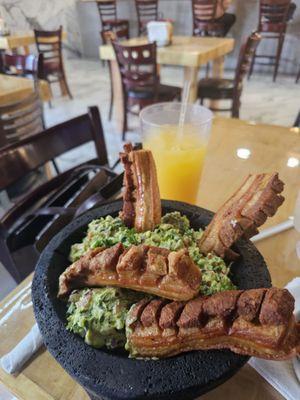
214,88
115,22
170,92
51,66
165,92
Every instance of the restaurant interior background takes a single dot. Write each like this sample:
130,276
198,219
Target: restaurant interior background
269,110
263,100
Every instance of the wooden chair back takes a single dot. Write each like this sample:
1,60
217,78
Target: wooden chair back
204,18
204,9
273,15
147,10
39,214
49,43
246,54
21,119
22,65
107,10
28,154
137,65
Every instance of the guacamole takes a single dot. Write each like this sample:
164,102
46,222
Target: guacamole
98,315
173,233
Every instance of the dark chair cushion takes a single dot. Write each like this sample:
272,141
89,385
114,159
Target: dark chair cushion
165,92
214,88
51,66
115,22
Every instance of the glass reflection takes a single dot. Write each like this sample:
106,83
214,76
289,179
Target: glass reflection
243,153
293,162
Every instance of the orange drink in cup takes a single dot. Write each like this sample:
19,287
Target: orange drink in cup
178,151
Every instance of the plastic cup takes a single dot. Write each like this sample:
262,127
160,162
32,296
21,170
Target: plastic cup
178,153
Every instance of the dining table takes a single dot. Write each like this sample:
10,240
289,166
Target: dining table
16,88
236,148
188,52
21,40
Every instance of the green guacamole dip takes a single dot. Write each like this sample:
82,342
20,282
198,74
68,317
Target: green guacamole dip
98,315
173,233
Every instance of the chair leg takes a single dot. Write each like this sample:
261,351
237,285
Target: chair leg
252,66
278,55
111,101
235,111
63,82
297,122
68,90
55,166
65,87
207,70
51,92
124,120
298,76
124,130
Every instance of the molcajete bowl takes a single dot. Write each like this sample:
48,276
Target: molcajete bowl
112,375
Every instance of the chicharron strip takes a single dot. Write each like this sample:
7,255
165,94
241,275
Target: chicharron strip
165,273
240,216
141,198
256,322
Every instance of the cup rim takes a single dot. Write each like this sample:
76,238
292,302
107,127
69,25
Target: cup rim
175,103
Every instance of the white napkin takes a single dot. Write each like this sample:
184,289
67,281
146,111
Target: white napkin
14,360
281,374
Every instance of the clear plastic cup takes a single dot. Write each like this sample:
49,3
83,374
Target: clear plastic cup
178,152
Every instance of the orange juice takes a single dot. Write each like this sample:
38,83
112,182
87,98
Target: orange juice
179,160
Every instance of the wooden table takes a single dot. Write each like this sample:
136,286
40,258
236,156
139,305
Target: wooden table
20,40
15,88
186,51
270,147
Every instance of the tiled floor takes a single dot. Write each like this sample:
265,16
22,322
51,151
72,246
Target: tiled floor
263,101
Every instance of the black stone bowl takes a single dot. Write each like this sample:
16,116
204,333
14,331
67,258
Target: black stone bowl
110,374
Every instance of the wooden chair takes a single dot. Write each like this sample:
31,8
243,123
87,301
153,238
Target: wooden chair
29,66
298,76
204,19
147,10
57,198
272,24
297,121
21,119
109,36
49,43
108,15
140,79
231,89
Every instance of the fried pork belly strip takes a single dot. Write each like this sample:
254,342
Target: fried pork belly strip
141,198
258,198
256,322
169,274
